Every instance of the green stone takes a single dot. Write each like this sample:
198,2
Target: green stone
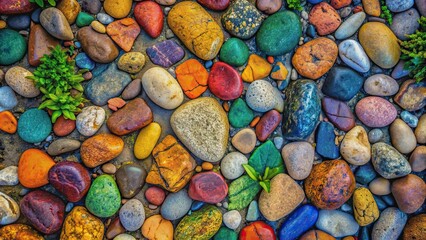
12,47
241,192
279,33
103,198
234,52
84,19
240,115
34,125
225,233
200,225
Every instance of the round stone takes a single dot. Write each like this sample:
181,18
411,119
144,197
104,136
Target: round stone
402,136
90,120
176,205
388,162
375,112
261,96
234,52
12,46
381,85
380,186
231,165
351,52
16,78
390,224
130,179
298,158
405,23
232,219
155,195
244,141
225,82
34,125
399,5
132,215
337,223
103,198
355,147
9,176
131,62
409,193
375,135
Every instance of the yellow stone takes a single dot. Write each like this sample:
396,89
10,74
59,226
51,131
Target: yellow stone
372,7
70,9
257,68
196,28
2,24
147,139
279,72
158,228
98,27
380,44
365,207
118,8
81,225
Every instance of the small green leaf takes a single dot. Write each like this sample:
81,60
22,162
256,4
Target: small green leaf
266,185
265,175
274,172
251,172
52,3
55,115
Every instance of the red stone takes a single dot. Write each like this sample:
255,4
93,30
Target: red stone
16,6
358,9
257,231
150,16
375,112
338,113
217,5
124,32
225,82
209,187
155,195
337,4
325,18
267,124
63,127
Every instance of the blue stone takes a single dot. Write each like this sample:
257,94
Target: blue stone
104,18
77,44
34,125
83,61
208,64
342,83
325,141
310,31
389,200
35,16
365,174
7,98
364,234
314,1
253,212
165,53
380,203
19,22
410,119
346,208
298,222
107,84
196,205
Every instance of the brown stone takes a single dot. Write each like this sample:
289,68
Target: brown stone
244,141
415,228
420,131
409,193
267,124
314,58
135,115
418,159
330,184
99,47
325,18
40,42
100,149
63,127
114,229
338,113
19,231
70,9
316,235
124,32
173,166
372,7
411,95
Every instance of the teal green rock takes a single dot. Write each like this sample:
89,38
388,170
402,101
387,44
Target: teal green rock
103,198
241,192
225,233
12,47
200,225
279,33
84,19
34,125
234,52
240,115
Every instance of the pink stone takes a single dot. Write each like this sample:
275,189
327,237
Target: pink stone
375,112
209,187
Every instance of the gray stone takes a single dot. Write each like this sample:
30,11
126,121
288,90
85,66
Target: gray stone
261,96
176,205
375,135
104,18
55,23
132,215
421,6
7,98
381,85
90,120
389,225
399,5
91,6
409,118
9,176
9,209
232,219
350,26
298,158
337,223
253,213
231,165
388,162
63,145
405,23
132,90
352,53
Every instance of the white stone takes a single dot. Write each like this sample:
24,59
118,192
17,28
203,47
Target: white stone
231,165
232,219
9,176
90,120
352,53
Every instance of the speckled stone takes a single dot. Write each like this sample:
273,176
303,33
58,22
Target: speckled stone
235,19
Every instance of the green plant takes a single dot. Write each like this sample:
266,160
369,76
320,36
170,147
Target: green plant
265,180
386,14
294,4
61,87
414,52
41,3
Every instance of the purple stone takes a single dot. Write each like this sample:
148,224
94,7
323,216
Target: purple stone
165,53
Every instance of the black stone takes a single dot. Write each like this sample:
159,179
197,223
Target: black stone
342,83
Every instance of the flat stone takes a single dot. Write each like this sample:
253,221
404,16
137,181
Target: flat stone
132,215
40,42
336,223
390,224
166,53
99,47
261,96
231,165
56,24
350,26
338,113
244,141
16,78
12,46
405,23
355,147
381,85
411,95
342,83
63,145
399,5
402,136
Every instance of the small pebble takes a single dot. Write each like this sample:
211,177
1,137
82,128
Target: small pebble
278,141
410,119
375,135
69,207
225,205
87,76
2,24
254,122
208,64
35,16
77,44
232,219
293,74
198,169
207,166
109,168
152,206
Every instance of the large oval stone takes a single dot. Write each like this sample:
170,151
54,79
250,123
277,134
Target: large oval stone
225,82
301,109
130,179
55,23
103,198
80,224
202,224
99,47
380,44
196,28
100,149
375,111
202,125
209,187
342,83
34,125
388,162
16,6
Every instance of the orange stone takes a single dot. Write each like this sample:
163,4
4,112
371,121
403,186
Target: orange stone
33,168
257,68
100,149
316,235
372,7
325,18
8,122
19,231
124,32
192,77
116,103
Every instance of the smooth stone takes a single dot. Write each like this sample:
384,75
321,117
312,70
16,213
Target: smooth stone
380,186
80,224
131,62
232,219
405,23
202,126
316,234
402,136
90,120
197,205
375,112
151,18
351,52
132,215
261,96
301,110
16,78
240,115
253,213
91,6
84,19
212,4
118,8
103,198
342,83
12,46
156,227
16,6
418,159
355,147
380,44
225,233
146,140
209,187
33,168
124,32
70,9
269,6
40,43
298,222
234,52
176,205
18,22
115,228
9,209
338,113
388,162
104,18
381,85
231,165
399,71
325,135
372,7
420,130
365,207
56,24
132,90
9,176
98,27
325,18
336,223
267,124
192,77
409,193
156,196
35,16
166,53
337,4
411,95
99,47
63,145
34,125
390,224
365,174
257,68
83,61
244,141
421,6
202,224
399,5
124,236
415,227
270,38
409,118
233,20
298,158
225,82
100,149
252,231
375,135
8,99
106,85
350,26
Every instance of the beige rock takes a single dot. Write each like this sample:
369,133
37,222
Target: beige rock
402,136
16,78
355,147
245,140
420,131
298,158
418,159
380,186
